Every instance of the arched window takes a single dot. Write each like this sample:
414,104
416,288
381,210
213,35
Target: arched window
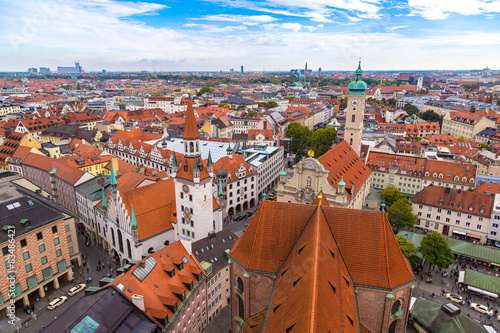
239,284
392,328
191,147
129,249
350,141
353,118
113,236
464,180
434,175
309,181
120,241
166,243
456,178
471,180
395,307
440,176
241,308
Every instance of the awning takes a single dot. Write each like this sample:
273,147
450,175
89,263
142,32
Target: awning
459,232
461,276
495,264
484,292
473,236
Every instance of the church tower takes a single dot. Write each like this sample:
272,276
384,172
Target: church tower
196,216
355,111
420,83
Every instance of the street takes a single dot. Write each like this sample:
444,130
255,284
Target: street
45,316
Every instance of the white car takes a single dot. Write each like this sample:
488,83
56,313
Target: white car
55,303
76,289
482,308
455,298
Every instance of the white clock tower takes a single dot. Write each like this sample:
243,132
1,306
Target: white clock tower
355,111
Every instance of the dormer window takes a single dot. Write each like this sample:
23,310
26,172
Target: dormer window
434,175
441,201
426,174
481,210
471,207
440,176
456,178
450,203
472,180
464,180
460,205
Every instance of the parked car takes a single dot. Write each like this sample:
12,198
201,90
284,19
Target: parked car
76,289
482,308
239,218
455,298
57,302
248,214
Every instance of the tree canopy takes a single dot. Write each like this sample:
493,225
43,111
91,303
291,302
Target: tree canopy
408,249
300,135
430,115
391,194
322,140
436,251
400,214
205,89
411,109
224,105
268,105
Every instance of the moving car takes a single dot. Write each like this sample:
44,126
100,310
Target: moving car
455,298
55,303
239,218
482,308
76,289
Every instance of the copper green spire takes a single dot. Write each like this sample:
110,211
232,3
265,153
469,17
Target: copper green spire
113,178
134,222
174,161
221,192
104,203
209,163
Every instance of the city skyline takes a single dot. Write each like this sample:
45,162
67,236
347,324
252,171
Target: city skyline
271,35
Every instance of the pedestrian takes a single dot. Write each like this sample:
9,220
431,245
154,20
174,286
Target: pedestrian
109,265
90,279
87,269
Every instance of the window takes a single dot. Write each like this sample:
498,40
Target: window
31,281
56,241
54,229
478,226
39,236
5,250
28,268
41,248
23,242
182,195
428,216
68,238
190,198
457,222
47,273
467,224
44,260
67,227
469,216
429,209
26,255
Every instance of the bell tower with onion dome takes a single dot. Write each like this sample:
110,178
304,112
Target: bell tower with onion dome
355,111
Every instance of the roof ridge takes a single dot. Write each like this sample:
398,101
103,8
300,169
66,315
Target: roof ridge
316,243
386,250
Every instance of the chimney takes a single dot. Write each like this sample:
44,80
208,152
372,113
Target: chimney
142,263
138,301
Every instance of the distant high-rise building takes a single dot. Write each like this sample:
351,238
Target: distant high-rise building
231,70
319,70
44,70
242,69
32,70
420,82
70,70
305,70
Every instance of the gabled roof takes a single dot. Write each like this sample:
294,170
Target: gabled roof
343,162
154,214
276,227
47,164
317,299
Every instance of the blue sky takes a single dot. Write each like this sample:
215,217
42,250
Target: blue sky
217,35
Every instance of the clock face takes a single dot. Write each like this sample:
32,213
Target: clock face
185,188
354,102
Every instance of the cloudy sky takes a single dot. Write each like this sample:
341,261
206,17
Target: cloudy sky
179,35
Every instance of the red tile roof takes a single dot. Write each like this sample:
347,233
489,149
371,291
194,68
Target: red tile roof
343,162
467,202
63,171
488,188
190,127
161,291
364,238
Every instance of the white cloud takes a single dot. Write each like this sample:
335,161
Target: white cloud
210,28
243,19
396,27
291,26
441,9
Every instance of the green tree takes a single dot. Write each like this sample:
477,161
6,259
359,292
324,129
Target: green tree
251,114
322,140
436,251
391,194
205,89
400,214
224,105
409,250
411,109
298,155
484,146
300,135
430,115
343,103
268,105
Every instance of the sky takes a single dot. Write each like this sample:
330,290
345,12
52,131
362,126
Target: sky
270,35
